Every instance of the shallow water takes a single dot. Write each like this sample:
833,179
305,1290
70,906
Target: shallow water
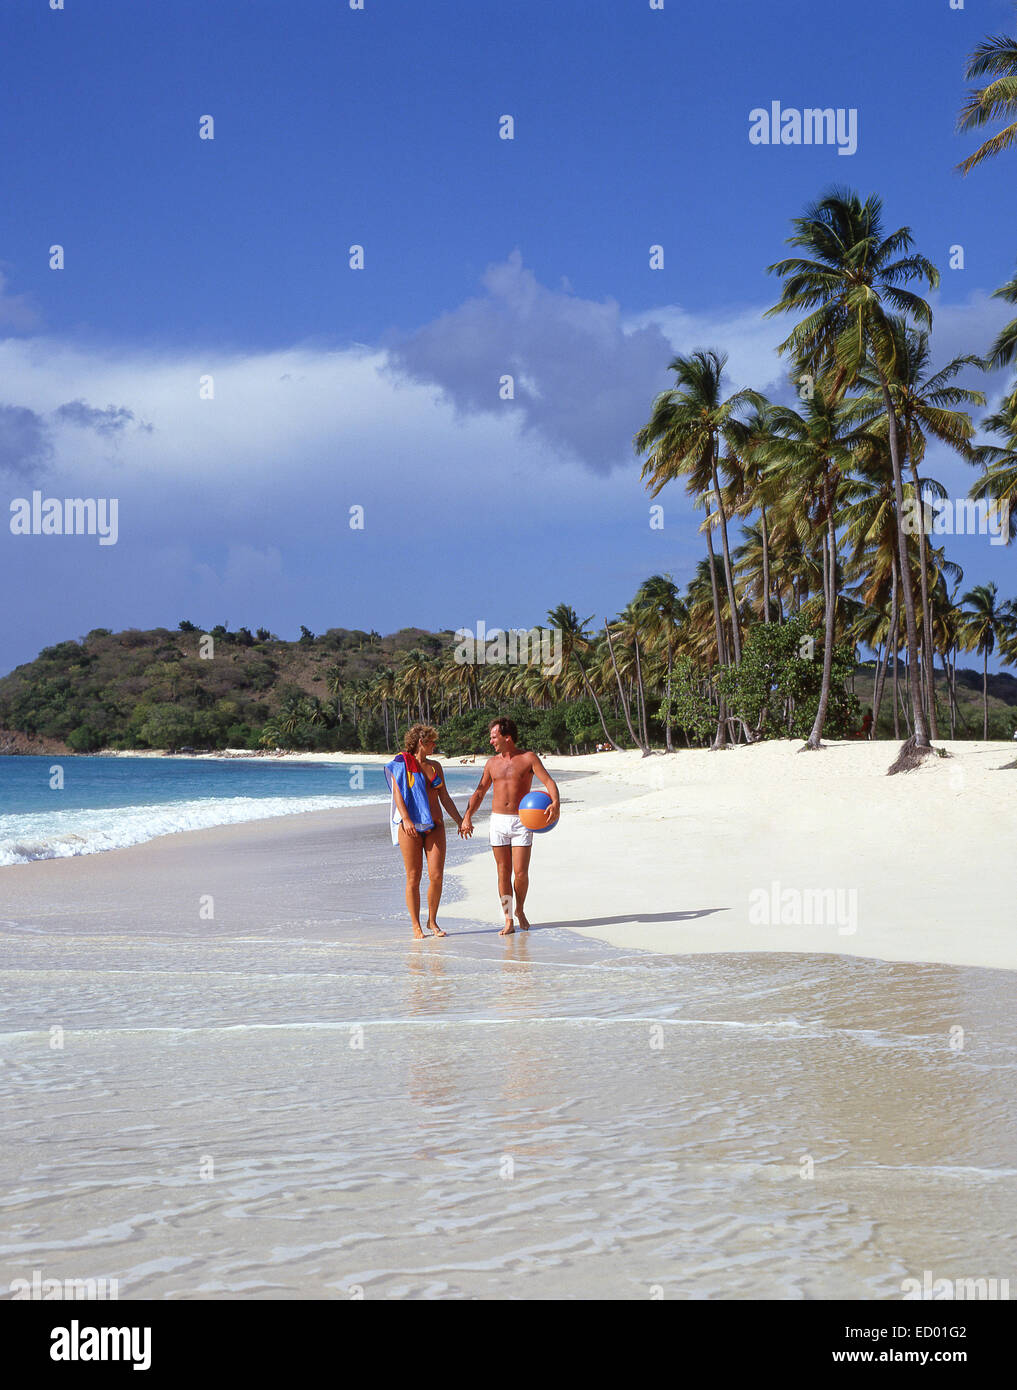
310,1107
103,803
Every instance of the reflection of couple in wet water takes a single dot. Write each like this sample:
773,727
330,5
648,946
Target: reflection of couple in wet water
420,798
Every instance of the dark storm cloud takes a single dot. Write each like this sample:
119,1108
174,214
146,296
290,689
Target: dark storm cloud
582,382
24,441
105,422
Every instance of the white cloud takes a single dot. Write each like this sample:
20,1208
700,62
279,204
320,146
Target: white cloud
17,310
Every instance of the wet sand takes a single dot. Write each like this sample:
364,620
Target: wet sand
292,1098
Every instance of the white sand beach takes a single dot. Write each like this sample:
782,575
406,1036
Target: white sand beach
228,1070
666,854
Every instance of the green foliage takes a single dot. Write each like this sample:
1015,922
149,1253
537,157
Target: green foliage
84,740
691,711
166,726
780,680
469,732
583,722
550,733
153,690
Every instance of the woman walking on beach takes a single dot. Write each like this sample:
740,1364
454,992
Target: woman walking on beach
418,824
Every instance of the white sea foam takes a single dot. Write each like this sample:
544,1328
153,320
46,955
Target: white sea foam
65,834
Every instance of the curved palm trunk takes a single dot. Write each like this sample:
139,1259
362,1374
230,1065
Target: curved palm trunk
720,737
727,563
882,654
624,703
667,718
985,693
928,650
921,728
642,694
766,566
600,713
830,576
891,645
949,694
896,700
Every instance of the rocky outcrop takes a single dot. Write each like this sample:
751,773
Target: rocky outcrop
14,744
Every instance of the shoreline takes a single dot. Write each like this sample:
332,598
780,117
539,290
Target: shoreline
251,995
718,853
695,853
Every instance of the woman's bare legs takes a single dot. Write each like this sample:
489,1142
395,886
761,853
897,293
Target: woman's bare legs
413,859
434,844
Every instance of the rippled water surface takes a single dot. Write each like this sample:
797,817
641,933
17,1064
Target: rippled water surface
311,1108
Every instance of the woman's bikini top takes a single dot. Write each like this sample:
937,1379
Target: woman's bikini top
438,781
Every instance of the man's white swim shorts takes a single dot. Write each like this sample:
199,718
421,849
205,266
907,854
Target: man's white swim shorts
509,830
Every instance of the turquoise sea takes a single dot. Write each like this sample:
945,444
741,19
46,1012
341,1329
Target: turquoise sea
55,808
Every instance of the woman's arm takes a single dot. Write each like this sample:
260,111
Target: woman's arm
446,800
407,819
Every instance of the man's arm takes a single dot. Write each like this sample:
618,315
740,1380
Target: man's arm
550,786
466,828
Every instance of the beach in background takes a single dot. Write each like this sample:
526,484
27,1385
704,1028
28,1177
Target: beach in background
228,1070
704,851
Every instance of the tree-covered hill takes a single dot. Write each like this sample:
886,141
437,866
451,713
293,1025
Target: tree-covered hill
355,690
155,689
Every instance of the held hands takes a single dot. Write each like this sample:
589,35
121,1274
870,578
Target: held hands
466,827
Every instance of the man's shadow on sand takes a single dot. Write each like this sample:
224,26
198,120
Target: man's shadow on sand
606,921
634,917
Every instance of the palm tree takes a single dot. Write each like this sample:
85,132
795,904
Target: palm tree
685,432
1004,349
334,681
574,638
384,691
925,405
851,271
640,742
984,625
1008,641
663,608
720,737
808,457
997,100
999,481
749,439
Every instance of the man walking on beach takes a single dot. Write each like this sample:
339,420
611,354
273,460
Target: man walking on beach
510,771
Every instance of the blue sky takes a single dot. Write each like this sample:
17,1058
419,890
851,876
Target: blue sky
379,387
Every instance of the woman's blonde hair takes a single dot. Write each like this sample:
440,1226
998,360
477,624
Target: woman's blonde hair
416,732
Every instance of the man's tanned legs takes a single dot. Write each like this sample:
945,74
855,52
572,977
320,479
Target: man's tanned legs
513,862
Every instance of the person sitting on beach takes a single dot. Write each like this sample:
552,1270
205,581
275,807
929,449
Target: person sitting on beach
422,829
510,771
